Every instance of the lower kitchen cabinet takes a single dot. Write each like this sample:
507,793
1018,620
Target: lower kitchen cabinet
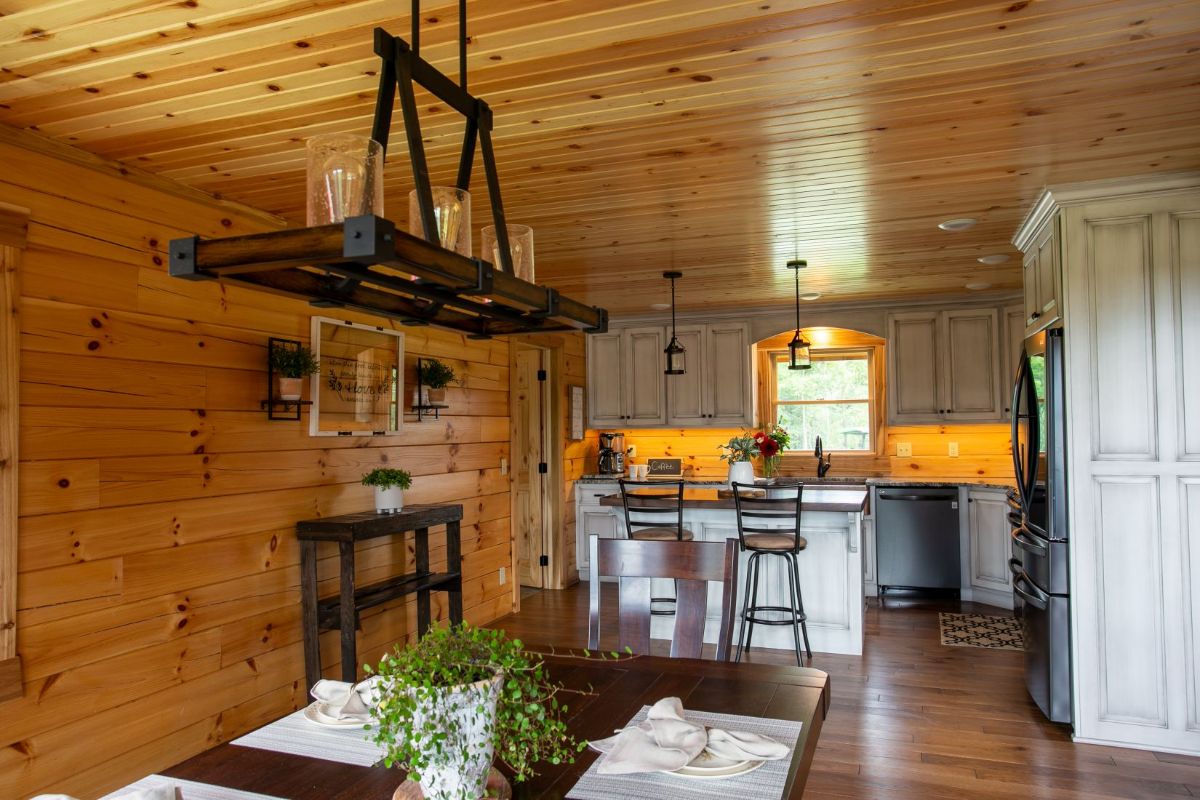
591,518
990,547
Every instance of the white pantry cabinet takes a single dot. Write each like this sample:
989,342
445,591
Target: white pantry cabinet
1130,305
944,366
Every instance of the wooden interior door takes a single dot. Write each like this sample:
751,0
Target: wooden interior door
528,453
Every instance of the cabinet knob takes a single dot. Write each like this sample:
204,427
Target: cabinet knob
1035,315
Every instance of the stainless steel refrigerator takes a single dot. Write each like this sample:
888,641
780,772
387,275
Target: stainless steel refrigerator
1040,538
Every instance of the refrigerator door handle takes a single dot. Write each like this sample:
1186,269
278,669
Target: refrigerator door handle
1028,545
1016,567
1036,599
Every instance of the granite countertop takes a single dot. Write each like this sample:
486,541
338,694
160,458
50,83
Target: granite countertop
827,498
833,482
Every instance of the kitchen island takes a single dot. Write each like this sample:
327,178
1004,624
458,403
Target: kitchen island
831,574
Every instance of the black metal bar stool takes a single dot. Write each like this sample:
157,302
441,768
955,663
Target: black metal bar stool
654,512
771,527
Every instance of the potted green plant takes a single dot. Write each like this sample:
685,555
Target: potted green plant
433,377
738,452
460,697
389,486
293,365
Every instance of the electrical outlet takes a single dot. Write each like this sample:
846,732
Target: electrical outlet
503,578
904,449
503,471
954,449
632,450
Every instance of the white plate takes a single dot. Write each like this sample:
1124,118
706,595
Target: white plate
707,765
314,712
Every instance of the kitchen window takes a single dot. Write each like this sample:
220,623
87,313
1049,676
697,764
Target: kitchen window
835,400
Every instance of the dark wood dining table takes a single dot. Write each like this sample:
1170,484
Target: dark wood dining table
602,695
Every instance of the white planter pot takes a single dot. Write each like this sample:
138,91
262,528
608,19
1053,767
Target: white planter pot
389,500
290,388
741,472
461,769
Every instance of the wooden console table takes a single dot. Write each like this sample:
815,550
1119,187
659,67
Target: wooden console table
340,612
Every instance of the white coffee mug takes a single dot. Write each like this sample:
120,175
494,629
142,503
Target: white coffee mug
633,472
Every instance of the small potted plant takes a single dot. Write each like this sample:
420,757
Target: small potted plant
738,452
771,443
433,377
389,488
293,365
460,697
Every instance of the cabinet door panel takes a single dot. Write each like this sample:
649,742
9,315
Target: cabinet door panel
1049,274
605,378
990,541
645,387
685,393
727,355
1029,278
913,367
972,353
1014,337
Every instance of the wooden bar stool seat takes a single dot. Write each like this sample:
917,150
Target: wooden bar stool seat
661,535
769,527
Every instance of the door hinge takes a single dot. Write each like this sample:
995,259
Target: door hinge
543,467
541,374
544,561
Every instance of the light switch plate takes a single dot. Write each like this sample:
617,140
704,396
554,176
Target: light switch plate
904,449
503,466
503,579
954,449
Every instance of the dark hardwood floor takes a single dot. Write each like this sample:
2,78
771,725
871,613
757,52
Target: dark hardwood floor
914,719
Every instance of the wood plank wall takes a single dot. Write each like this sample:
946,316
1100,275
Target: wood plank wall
158,594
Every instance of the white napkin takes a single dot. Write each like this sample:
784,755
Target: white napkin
166,792
666,741
347,700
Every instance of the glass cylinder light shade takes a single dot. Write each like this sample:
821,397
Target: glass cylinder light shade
345,177
799,353
451,216
520,247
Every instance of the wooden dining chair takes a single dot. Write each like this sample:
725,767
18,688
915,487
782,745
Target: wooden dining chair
691,564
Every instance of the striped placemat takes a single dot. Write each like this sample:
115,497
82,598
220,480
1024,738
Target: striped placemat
189,789
297,735
765,782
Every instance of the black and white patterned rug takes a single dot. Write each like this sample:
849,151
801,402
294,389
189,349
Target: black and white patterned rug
981,630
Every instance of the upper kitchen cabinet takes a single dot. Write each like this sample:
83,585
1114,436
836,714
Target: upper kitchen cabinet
715,390
628,389
944,366
1042,275
625,378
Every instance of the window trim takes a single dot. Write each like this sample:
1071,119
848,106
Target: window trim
875,391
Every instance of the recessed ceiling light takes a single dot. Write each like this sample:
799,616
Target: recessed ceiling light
660,306
811,296
994,258
978,286
960,224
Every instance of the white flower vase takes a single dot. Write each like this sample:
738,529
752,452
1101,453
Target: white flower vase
389,500
741,472
468,715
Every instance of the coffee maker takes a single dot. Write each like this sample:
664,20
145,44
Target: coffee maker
612,453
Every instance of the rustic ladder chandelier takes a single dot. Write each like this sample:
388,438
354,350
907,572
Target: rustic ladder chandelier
366,264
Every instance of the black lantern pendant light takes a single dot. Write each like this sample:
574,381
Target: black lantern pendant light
799,356
674,351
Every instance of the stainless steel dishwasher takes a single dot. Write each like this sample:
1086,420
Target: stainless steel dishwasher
916,537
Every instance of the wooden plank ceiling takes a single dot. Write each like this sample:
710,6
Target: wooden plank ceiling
712,136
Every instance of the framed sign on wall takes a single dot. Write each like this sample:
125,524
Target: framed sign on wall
358,388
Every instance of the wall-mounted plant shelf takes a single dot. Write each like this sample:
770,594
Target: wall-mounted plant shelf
275,406
422,408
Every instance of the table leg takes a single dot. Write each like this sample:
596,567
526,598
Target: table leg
348,617
421,546
308,605
454,564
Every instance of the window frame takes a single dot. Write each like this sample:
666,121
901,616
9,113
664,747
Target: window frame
875,391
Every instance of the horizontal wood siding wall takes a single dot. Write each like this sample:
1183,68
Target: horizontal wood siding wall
158,569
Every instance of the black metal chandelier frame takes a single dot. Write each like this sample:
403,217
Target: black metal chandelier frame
339,265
